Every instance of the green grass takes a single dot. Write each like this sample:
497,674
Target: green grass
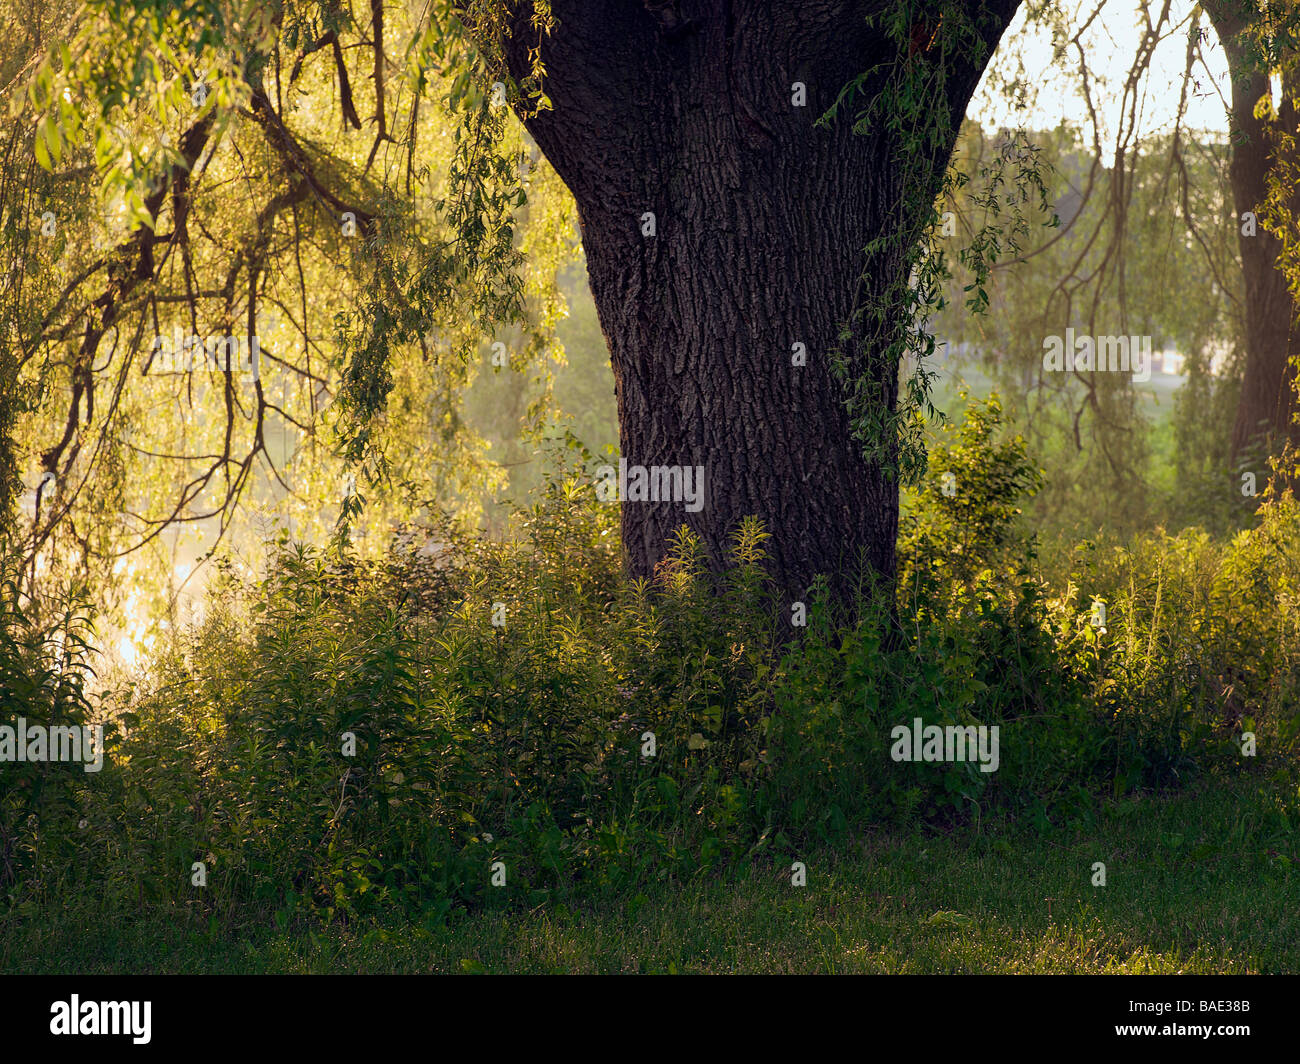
1201,882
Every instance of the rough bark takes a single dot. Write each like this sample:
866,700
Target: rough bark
1268,398
685,110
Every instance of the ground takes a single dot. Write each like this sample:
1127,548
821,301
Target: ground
1203,881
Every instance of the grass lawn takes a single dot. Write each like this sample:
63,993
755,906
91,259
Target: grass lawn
1200,882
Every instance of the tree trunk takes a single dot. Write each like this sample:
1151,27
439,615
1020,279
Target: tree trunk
688,112
1268,398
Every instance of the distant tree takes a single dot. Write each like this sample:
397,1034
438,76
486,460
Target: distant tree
1255,39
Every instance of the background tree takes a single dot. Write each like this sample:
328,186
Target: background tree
1262,135
1156,240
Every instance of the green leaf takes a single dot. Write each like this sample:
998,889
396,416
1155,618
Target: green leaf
947,920
53,141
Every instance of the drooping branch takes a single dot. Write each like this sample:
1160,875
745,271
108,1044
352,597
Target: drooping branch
297,161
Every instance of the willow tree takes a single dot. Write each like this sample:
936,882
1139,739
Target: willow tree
755,182
240,171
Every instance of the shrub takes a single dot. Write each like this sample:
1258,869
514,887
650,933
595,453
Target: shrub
339,735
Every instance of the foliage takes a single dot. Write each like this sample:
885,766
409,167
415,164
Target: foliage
225,184
1096,430
525,743
963,515
905,106
45,680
